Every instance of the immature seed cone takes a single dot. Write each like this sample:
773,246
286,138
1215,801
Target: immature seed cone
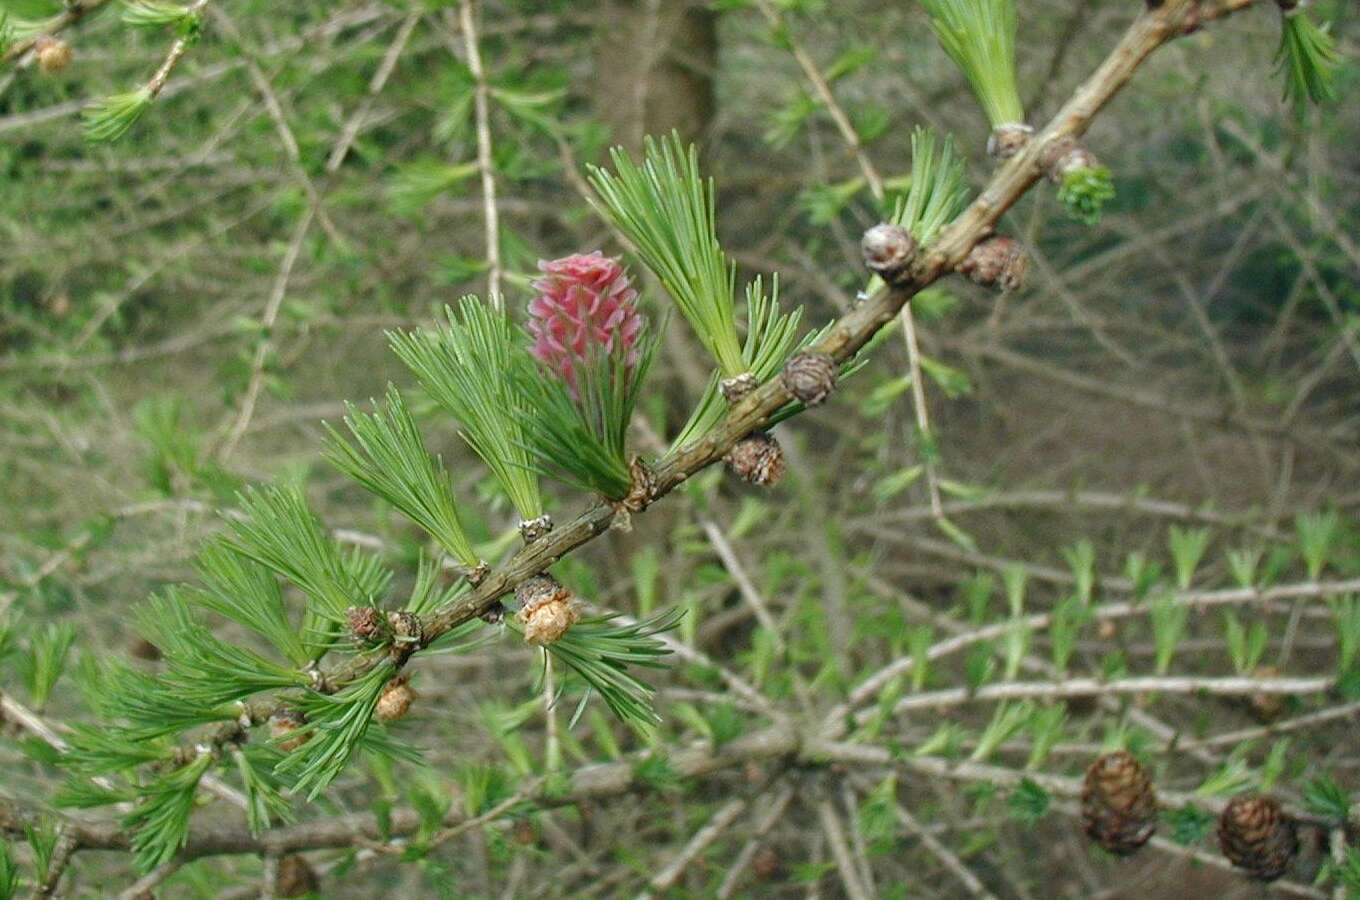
53,54
888,252
757,459
584,301
546,609
998,262
365,624
810,377
765,864
395,701
1257,836
285,722
295,878
1118,803
1007,140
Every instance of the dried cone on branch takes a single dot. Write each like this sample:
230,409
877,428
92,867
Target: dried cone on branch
888,252
998,262
757,459
1118,803
546,609
810,377
1256,835
584,302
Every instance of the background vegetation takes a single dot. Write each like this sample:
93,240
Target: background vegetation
1164,416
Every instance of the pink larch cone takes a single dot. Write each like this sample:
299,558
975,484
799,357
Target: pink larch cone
584,302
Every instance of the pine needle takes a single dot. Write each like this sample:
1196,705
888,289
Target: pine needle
979,36
1307,59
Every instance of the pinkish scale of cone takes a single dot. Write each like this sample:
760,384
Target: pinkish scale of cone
585,301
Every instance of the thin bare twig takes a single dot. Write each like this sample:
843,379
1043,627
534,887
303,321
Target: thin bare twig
485,162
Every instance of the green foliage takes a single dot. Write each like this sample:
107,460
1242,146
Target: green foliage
109,118
336,725
9,870
463,364
579,433
202,670
1168,627
666,210
1187,549
160,821
1317,534
1246,647
154,13
771,337
417,183
979,36
1081,559
45,661
1190,824
938,187
1007,721
601,652
1347,873
1046,726
281,533
388,457
247,593
265,805
1069,617
1028,802
1307,59
1346,616
1085,191
1324,797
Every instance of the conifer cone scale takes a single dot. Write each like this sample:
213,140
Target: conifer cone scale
1118,803
547,609
998,262
888,253
810,377
757,459
1257,836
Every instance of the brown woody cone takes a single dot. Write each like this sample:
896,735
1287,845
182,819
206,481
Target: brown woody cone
998,262
810,377
1118,803
888,252
295,878
1257,836
546,609
757,459
395,700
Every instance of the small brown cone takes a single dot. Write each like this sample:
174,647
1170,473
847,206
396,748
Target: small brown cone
757,459
766,863
888,252
546,609
1118,803
998,262
395,700
295,878
1266,707
365,624
1257,836
53,54
810,377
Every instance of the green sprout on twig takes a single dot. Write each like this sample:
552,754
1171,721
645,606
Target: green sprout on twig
1084,191
1308,59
